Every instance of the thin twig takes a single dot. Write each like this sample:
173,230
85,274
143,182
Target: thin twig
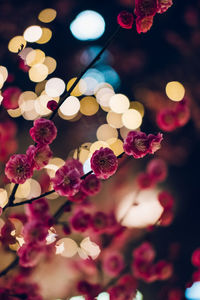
10,266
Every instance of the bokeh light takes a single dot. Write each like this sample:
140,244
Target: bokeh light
89,106
46,36
119,103
47,15
54,87
175,91
38,72
32,33
193,292
70,106
16,43
106,132
132,119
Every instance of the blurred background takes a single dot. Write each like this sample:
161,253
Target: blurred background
140,66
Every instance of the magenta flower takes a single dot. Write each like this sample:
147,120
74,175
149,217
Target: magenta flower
145,8
43,132
166,120
40,155
91,185
78,197
75,163
67,181
163,6
182,113
37,209
18,169
52,105
196,258
145,252
144,24
113,263
166,199
154,142
11,97
157,168
30,254
99,222
163,269
145,180
125,19
35,231
104,163
80,221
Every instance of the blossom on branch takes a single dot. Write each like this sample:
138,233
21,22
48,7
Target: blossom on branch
43,132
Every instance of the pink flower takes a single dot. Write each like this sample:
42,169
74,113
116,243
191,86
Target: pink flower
163,6
144,8
11,97
67,181
125,288
164,270
144,270
157,168
75,163
37,209
91,185
35,231
166,217
182,113
144,24
125,19
40,155
154,142
166,199
139,144
104,163
99,222
18,169
44,131
166,120
52,105
145,181
80,221
88,289
79,197
113,263
145,252
196,258
29,255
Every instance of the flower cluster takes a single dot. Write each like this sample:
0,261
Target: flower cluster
138,144
144,268
169,119
125,288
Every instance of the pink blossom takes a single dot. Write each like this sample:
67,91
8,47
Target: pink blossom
125,19
37,209
144,270
80,221
196,258
88,289
75,164
67,181
166,217
44,131
11,97
166,120
52,105
79,197
30,254
35,231
5,237
144,8
145,180
164,270
145,252
18,169
166,199
139,144
113,263
157,168
163,6
144,24
99,222
40,155
91,185
124,289
104,163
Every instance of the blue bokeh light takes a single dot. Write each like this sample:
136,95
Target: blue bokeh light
88,25
193,293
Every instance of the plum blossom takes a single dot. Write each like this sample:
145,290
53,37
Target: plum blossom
19,168
157,168
43,132
80,221
104,163
30,254
40,155
125,19
163,6
52,105
91,185
113,263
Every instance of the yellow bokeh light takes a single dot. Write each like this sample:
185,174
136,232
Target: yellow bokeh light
70,106
3,197
50,62
117,147
30,115
175,91
1,80
35,190
119,103
4,72
97,145
14,113
138,106
54,164
47,15
46,36
38,72
35,57
114,120
106,132
23,190
41,105
89,106
39,87
82,155
105,108
124,132
32,33
16,43
132,119
79,89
